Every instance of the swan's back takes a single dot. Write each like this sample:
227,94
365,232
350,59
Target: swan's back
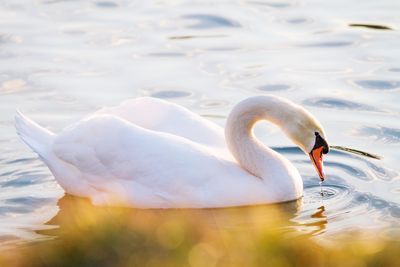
162,116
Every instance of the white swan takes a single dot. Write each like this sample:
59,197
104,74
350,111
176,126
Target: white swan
150,153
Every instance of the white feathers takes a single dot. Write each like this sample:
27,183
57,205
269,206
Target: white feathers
35,136
150,153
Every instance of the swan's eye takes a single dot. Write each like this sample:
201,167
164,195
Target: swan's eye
320,142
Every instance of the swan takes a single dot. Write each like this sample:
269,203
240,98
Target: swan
150,153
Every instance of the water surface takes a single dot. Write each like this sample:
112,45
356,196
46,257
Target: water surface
61,60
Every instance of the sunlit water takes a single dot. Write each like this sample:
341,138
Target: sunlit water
60,60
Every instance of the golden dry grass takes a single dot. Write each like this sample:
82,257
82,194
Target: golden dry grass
251,236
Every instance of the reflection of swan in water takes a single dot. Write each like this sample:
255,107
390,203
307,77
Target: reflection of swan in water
76,213
321,223
164,156
314,224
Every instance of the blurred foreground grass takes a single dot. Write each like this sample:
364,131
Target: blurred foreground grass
251,236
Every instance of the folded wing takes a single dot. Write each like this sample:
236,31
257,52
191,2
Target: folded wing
162,116
118,158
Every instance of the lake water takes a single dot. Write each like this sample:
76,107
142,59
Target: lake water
60,60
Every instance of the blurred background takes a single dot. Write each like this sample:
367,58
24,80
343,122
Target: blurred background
61,60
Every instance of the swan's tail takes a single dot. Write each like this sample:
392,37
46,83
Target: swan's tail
35,136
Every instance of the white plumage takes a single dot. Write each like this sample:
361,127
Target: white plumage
150,153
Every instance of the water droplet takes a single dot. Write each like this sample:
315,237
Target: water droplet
320,186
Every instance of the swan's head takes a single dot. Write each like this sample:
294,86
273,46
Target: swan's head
316,154
297,123
305,131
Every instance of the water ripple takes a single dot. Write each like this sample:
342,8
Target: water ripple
22,205
330,192
330,102
341,203
274,87
185,37
380,133
106,4
167,54
394,69
378,84
212,104
277,5
206,21
329,44
170,94
354,171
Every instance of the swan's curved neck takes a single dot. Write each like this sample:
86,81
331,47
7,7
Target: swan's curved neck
250,153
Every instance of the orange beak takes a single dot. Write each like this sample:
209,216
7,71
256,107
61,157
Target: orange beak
316,158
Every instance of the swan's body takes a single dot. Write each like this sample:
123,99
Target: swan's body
153,154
